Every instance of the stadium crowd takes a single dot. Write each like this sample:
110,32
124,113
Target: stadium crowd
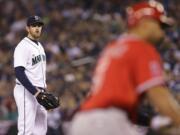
74,34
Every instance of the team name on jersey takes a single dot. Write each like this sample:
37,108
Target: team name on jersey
38,59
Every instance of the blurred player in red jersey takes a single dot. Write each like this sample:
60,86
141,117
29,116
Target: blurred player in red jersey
128,68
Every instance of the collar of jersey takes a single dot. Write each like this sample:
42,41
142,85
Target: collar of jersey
34,44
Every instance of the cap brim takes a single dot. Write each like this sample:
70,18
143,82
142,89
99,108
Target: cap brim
38,22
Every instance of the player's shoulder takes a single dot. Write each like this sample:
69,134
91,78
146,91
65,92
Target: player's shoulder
22,44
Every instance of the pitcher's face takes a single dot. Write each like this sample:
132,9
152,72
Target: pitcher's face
34,30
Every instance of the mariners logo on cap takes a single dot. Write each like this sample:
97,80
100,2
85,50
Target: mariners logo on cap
36,17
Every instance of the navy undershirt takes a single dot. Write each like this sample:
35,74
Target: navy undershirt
21,76
35,41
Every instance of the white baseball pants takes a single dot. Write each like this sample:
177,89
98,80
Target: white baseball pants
110,121
32,117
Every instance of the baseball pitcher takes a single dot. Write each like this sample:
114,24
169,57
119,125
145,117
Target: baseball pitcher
30,90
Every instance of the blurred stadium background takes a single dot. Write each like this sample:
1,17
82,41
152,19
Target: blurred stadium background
75,33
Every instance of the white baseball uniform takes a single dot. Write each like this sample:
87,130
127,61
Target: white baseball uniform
109,121
32,119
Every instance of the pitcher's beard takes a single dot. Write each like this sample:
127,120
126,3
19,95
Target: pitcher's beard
36,35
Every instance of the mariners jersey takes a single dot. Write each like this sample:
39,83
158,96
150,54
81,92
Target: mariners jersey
32,57
127,67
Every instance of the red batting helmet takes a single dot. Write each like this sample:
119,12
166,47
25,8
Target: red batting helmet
151,9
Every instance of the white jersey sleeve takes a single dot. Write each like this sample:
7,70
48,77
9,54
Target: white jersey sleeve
21,55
